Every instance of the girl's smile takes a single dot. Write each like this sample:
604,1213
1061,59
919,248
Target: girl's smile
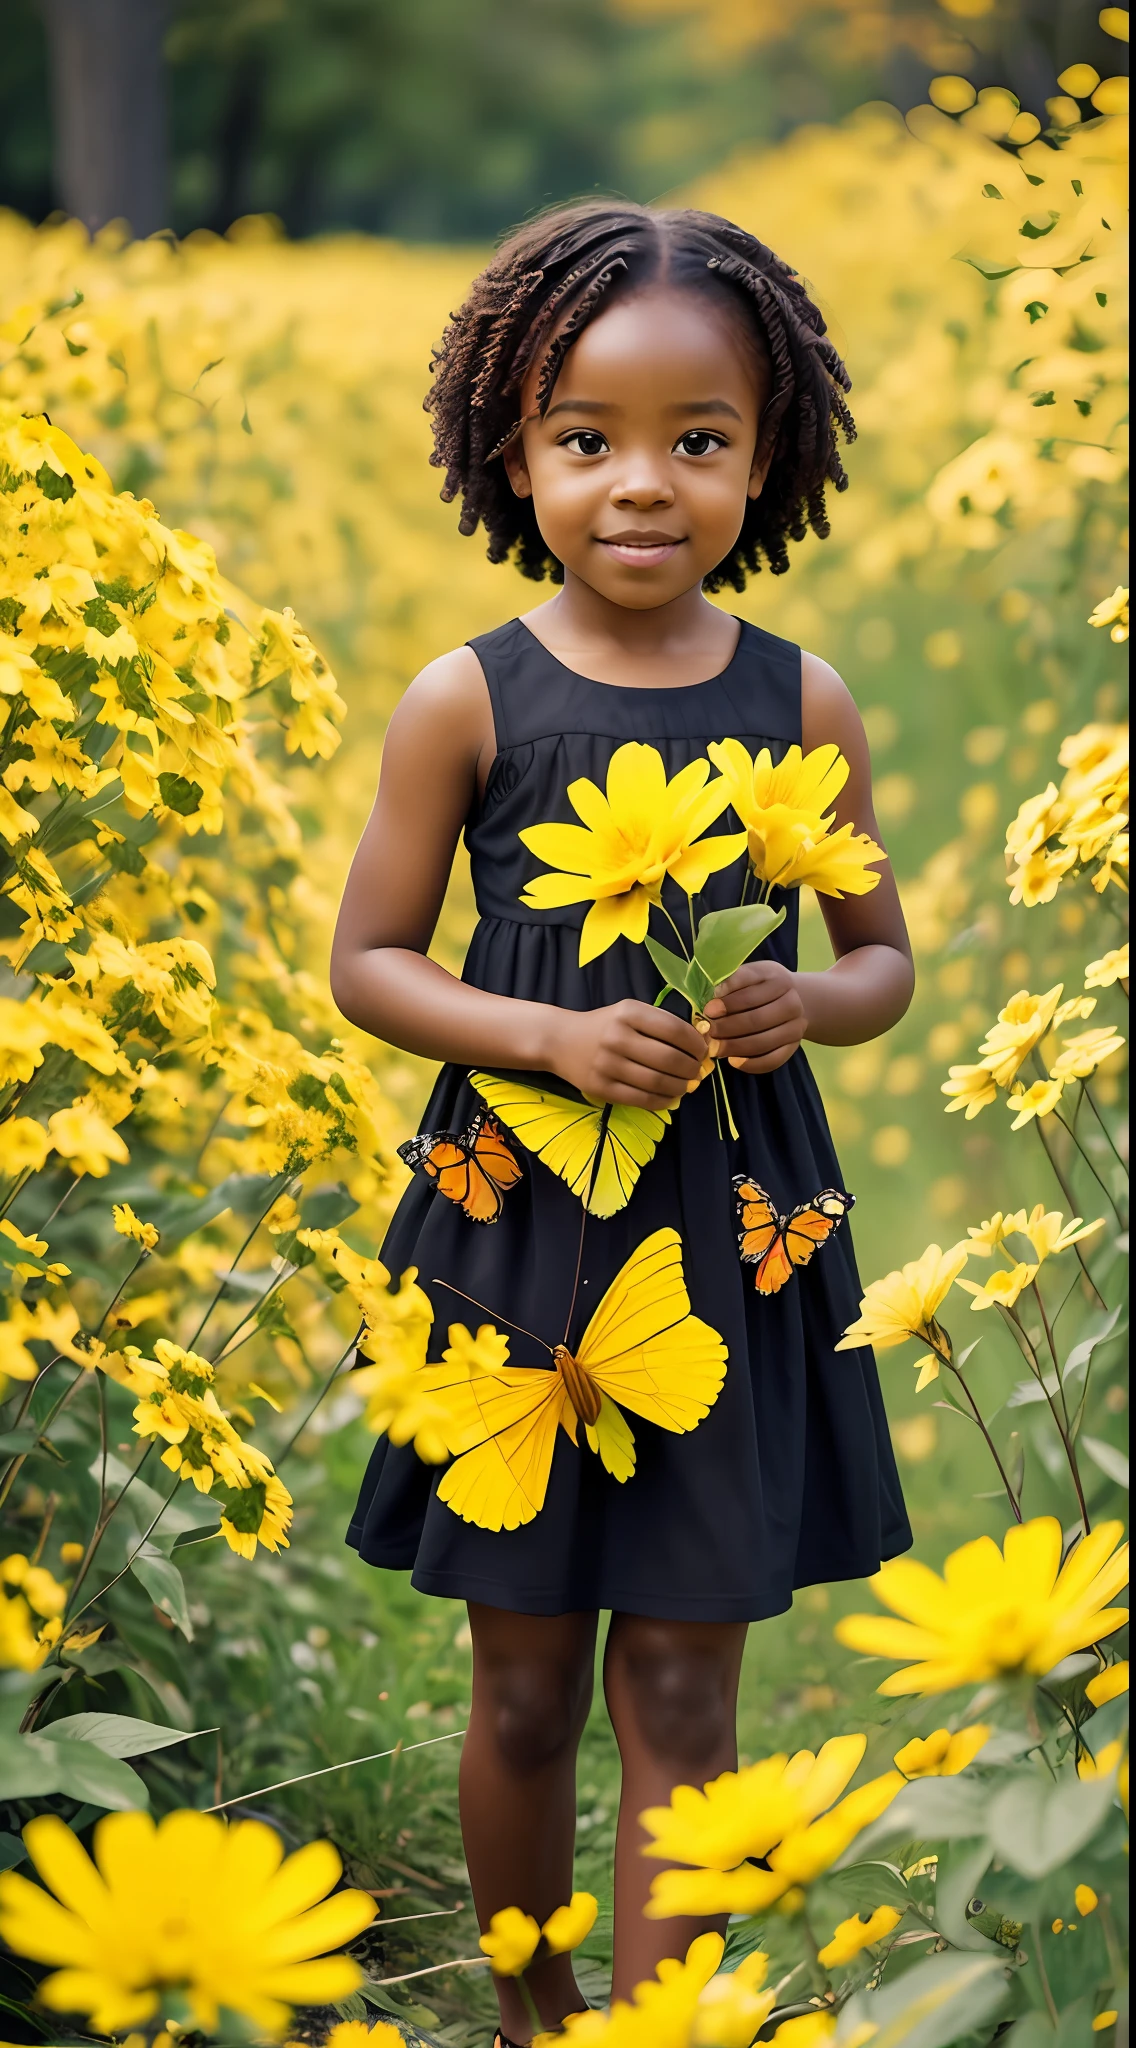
641,550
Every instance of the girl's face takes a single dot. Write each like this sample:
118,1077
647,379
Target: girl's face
641,467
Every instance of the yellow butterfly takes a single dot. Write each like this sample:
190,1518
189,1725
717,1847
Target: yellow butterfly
642,1348
598,1148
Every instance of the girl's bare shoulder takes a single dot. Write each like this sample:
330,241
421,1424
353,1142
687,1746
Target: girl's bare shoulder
446,705
828,708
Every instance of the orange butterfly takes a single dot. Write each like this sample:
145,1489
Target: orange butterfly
473,1169
775,1244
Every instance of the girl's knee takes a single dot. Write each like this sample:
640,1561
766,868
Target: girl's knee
681,1701
534,1712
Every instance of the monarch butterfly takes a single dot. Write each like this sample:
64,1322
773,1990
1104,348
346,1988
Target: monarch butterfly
473,1169
642,1350
598,1149
775,1244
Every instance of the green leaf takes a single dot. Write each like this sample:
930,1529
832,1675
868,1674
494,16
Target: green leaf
930,1810
871,1885
676,972
326,1206
179,793
88,1773
991,192
1035,1825
116,1734
962,1866
1111,1461
15,1442
165,1585
244,1193
53,485
940,2001
12,1851
727,937
1035,231
1037,310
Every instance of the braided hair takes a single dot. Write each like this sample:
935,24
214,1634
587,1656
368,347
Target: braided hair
547,281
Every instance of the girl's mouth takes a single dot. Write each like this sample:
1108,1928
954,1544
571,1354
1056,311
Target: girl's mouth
640,550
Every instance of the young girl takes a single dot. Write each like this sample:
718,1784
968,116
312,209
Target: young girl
639,405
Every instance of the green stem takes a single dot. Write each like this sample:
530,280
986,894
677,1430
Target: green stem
136,1552
1102,1185
1071,1199
1092,1102
277,1192
678,935
529,2002
298,1432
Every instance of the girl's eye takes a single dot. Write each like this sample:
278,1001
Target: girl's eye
700,442
585,441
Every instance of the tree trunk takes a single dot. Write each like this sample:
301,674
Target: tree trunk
109,110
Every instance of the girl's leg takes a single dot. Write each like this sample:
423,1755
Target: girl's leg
672,1689
532,1687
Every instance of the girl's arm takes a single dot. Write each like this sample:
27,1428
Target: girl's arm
438,752
764,1011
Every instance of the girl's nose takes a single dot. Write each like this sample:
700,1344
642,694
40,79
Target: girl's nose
642,485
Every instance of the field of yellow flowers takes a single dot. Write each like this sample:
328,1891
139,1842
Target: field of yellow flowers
221,552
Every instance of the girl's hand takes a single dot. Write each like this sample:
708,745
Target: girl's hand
757,1017
629,1052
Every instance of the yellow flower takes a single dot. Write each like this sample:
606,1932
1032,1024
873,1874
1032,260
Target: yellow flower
1081,1056
190,1904
858,1932
569,1925
1038,878
1003,1287
630,840
24,1146
510,1941
1021,1025
1108,1684
83,1137
1049,1233
1075,1006
993,1611
942,1755
128,1224
1086,1900
357,2034
1039,819
662,2011
23,1034
985,1236
1111,967
1040,1099
1104,2020
808,2030
733,2005
1112,611
790,841
778,1813
904,1304
972,1089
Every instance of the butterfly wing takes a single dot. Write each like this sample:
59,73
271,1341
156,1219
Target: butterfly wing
812,1223
501,1431
645,1349
471,1169
761,1238
567,1136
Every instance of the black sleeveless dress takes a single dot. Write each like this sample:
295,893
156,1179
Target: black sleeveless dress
790,1479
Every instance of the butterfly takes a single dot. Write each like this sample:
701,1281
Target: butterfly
473,1169
642,1349
775,1244
597,1148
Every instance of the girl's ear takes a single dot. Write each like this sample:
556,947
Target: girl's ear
517,469
762,457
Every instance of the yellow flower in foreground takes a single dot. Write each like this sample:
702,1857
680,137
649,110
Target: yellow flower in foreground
662,2012
569,1925
858,1932
733,2006
789,839
192,1904
1003,1287
86,1140
630,840
1112,611
972,1089
1111,967
942,1755
1085,1900
993,1611
779,1813
510,1941
1040,1099
1104,2020
903,1304
1103,1764
23,1144
357,2034
1108,1684
1021,1025
808,2030
128,1224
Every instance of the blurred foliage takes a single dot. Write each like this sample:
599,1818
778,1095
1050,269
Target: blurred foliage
451,120
267,397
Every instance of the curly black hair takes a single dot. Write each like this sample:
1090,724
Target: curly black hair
569,260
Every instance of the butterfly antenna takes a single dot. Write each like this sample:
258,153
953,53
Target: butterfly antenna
472,1298
592,1178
